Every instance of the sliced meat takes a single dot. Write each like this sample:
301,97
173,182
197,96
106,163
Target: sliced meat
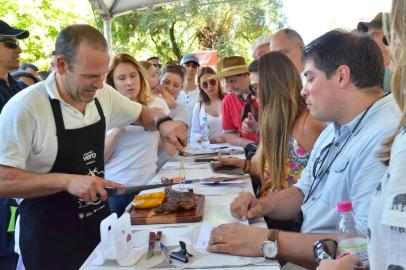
176,200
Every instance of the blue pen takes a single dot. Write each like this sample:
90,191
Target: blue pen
165,252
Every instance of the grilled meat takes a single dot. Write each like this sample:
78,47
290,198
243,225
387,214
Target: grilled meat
176,200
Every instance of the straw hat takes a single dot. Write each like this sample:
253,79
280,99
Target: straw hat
230,66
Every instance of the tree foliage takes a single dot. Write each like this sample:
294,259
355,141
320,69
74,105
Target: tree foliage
228,26
189,26
44,19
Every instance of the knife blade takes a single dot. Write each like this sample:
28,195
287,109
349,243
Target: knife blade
151,244
134,189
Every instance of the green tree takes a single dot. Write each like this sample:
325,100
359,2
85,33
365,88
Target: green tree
228,26
44,19
170,31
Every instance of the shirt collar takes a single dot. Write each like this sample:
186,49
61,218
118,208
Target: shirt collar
247,99
349,127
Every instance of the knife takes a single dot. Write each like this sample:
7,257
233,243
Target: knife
137,189
151,245
134,189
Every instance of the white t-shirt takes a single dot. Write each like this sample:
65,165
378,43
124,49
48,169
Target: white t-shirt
133,161
215,123
387,213
27,126
189,99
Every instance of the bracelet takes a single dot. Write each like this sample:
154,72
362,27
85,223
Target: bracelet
247,166
162,119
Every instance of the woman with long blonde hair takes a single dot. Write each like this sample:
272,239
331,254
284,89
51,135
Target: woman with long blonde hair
287,130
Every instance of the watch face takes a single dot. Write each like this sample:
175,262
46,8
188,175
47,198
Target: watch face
269,249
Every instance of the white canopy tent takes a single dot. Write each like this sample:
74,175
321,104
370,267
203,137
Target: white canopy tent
108,9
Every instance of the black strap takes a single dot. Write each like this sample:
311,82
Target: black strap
56,108
99,108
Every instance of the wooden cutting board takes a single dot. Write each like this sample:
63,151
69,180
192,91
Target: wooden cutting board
148,216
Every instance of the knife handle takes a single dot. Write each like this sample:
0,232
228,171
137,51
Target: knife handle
110,192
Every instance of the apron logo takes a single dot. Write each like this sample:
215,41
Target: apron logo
87,209
95,172
89,157
83,204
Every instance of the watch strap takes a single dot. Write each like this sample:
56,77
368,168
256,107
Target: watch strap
162,119
272,235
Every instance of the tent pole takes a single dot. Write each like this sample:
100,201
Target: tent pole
107,32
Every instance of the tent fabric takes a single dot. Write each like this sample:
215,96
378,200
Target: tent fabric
113,8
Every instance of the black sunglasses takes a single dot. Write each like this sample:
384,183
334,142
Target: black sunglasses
254,88
212,82
191,64
10,43
318,163
325,249
157,65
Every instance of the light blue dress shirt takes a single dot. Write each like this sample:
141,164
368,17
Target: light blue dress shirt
355,172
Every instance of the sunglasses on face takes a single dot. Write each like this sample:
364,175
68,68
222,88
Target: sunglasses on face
193,65
254,88
205,84
157,65
10,43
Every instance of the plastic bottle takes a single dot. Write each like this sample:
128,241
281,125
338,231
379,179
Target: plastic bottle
352,238
205,132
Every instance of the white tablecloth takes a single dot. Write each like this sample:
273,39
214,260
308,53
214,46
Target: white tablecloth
216,211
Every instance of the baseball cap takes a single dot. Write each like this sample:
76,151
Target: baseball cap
375,23
264,39
7,31
189,58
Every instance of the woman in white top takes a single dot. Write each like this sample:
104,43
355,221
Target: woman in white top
171,81
208,109
131,152
387,212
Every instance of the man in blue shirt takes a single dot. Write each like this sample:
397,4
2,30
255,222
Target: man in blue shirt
9,60
344,86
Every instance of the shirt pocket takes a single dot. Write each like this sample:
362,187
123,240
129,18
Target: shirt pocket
336,187
341,166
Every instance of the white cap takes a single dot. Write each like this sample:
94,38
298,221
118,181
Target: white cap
264,39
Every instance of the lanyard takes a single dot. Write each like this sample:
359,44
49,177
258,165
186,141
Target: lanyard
316,176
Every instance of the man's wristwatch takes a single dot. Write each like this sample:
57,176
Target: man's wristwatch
270,245
162,119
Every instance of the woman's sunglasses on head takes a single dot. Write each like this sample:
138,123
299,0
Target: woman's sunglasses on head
205,84
10,43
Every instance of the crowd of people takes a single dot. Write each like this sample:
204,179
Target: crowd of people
320,123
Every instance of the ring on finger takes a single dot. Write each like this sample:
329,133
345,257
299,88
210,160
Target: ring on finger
220,238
